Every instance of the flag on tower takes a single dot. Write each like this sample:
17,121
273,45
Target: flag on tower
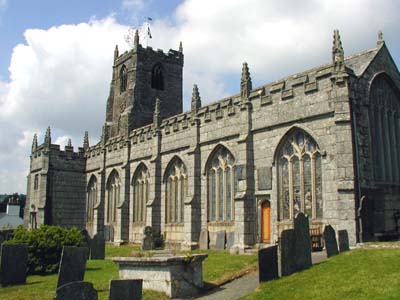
148,27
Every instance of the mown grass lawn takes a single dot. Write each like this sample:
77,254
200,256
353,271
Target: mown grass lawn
217,267
372,274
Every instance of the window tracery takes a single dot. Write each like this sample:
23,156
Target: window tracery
220,186
384,117
140,184
299,177
113,196
176,183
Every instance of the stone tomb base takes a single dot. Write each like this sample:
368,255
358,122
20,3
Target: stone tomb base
176,276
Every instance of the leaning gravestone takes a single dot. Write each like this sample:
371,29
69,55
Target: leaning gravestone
72,264
126,289
148,240
87,240
220,240
268,263
203,239
230,239
302,242
97,247
288,252
13,264
343,241
76,290
330,241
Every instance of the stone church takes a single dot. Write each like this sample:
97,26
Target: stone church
324,142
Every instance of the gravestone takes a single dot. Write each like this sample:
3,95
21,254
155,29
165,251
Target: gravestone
108,233
148,240
230,239
288,252
97,247
343,241
87,240
330,241
268,263
302,242
203,239
126,289
220,240
72,264
76,290
13,264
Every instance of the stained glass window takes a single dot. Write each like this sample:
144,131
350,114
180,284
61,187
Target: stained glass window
113,194
384,118
299,177
140,192
220,186
176,191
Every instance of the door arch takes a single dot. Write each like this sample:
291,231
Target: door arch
266,222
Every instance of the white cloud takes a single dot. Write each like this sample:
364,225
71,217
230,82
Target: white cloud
133,4
60,76
3,3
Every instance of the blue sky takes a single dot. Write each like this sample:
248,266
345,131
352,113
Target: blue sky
56,56
18,15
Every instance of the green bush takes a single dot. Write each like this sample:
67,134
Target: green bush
45,246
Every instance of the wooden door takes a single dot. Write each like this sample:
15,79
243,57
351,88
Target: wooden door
266,222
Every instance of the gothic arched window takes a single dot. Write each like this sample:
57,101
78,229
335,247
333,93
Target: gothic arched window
140,188
157,80
299,177
91,199
220,185
113,195
123,79
175,191
384,117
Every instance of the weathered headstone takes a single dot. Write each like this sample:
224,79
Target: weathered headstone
13,264
230,239
220,240
302,242
343,241
72,265
268,263
97,247
108,233
330,241
148,240
126,289
288,252
76,290
87,240
203,239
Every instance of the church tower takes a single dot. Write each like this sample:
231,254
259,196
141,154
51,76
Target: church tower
139,77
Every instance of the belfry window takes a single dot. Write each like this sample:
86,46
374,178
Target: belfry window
175,191
113,195
157,80
123,79
36,182
220,187
91,199
384,118
299,177
140,184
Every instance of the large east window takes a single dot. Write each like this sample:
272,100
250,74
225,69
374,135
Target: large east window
299,177
220,186
384,117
